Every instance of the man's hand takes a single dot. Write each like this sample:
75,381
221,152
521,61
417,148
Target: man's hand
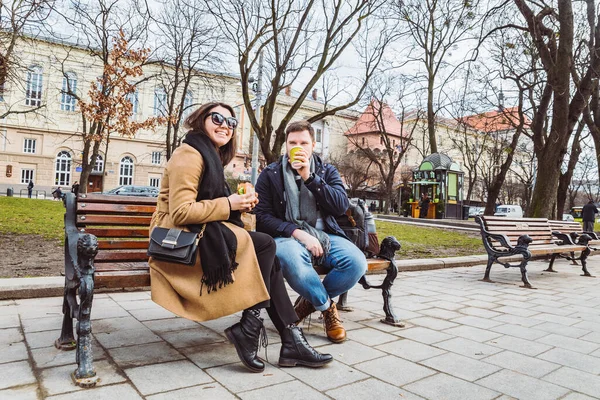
311,243
301,164
243,202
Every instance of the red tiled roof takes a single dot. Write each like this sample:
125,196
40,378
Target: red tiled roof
494,121
369,121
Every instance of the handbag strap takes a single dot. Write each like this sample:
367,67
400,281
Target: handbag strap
170,240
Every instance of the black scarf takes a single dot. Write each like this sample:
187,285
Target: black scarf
218,246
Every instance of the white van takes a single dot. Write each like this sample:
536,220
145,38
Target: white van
511,210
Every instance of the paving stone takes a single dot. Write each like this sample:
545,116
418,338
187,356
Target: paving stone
394,370
423,335
35,340
120,391
559,320
45,357
446,305
432,323
460,366
370,389
15,351
469,332
375,324
518,345
588,325
107,312
220,324
287,390
553,310
43,324
172,324
57,380
116,324
441,313
351,352
577,396
411,306
560,329
520,312
16,374
371,337
9,321
148,314
10,335
126,337
572,359
469,348
216,354
565,342
520,363
592,337
519,331
129,296
477,322
21,393
522,386
442,386
144,354
236,378
576,380
192,337
410,350
139,305
518,302
480,312
163,377
209,391
516,320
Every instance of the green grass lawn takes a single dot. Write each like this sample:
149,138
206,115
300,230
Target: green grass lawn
32,216
419,242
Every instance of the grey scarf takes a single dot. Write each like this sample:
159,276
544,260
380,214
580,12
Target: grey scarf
301,207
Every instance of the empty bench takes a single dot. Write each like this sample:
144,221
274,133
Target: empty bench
106,239
527,237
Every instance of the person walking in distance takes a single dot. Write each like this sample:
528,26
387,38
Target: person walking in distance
589,216
424,204
30,188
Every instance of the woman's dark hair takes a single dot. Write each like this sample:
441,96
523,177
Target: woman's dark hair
196,121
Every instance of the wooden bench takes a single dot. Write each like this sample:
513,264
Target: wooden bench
106,238
574,229
505,237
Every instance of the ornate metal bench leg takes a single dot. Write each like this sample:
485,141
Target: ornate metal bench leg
550,269
523,267
85,374
66,341
386,292
486,277
342,303
583,258
574,259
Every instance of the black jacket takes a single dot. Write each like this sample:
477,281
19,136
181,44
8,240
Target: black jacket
327,187
589,212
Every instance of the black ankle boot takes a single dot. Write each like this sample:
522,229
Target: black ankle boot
296,350
245,336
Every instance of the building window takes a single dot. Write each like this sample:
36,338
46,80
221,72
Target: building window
154,182
319,135
33,94
67,100
363,141
2,88
188,101
62,171
156,155
26,176
133,98
99,164
29,146
160,102
126,171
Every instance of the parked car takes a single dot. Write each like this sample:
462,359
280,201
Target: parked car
475,211
130,190
511,211
568,217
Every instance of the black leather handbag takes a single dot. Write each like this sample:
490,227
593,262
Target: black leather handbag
174,245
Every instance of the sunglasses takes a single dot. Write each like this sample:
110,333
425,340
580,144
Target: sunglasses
218,119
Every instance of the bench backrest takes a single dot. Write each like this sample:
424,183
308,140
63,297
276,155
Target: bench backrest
121,224
537,228
566,226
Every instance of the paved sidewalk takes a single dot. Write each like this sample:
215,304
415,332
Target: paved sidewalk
464,339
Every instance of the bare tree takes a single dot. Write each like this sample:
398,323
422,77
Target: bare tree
355,169
18,22
187,47
301,41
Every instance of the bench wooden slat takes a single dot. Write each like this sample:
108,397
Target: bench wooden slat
116,199
123,266
106,208
119,232
111,255
113,220
124,279
122,244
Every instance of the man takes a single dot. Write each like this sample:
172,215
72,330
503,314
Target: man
589,216
30,189
298,205
75,188
424,204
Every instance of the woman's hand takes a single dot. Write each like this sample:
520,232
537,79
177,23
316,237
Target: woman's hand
243,202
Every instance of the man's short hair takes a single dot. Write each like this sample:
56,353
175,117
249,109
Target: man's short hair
300,126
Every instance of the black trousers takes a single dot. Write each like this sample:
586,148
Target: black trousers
280,308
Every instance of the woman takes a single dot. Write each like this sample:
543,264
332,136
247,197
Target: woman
236,270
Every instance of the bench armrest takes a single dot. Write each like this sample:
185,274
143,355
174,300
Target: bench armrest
563,238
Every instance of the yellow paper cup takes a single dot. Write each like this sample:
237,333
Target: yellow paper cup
293,152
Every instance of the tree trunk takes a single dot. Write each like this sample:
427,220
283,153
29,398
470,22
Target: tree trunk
544,192
431,117
565,179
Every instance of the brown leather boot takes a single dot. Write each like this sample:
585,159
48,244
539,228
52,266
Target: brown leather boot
303,309
333,325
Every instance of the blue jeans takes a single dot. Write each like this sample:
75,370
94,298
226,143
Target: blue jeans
345,261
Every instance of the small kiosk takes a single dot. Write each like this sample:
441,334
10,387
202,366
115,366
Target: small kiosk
442,180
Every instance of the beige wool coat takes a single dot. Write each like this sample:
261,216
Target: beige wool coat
176,287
